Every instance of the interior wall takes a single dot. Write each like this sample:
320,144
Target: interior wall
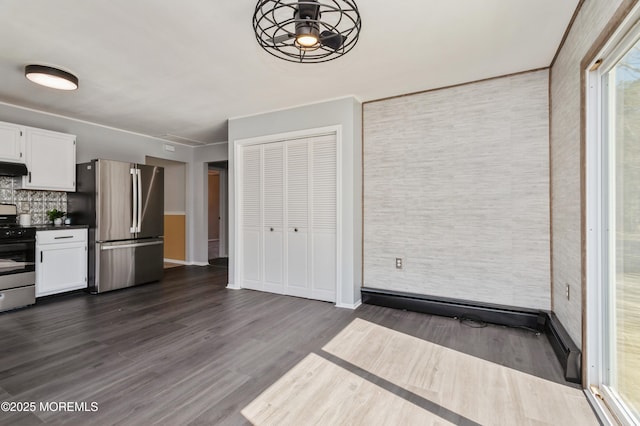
175,201
457,185
565,162
175,222
343,112
175,237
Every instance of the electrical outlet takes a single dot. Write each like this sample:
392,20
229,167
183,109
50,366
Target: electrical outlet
567,292
398,263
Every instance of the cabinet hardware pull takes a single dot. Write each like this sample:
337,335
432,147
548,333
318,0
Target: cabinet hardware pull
29,177
271,229
295,229
60,238
41,257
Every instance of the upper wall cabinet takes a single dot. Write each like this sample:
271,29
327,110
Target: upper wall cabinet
11,142
51,160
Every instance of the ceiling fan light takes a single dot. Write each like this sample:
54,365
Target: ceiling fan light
51,77
316,31
307,40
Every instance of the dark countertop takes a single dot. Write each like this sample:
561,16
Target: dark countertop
49,227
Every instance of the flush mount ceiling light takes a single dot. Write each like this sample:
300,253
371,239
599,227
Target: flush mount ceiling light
307,31
51,77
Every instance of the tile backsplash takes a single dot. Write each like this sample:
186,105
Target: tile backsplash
34,202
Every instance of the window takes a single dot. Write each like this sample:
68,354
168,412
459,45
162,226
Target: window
613,203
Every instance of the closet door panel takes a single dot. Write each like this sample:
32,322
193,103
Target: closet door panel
324,266
297,283
251,217
323,217
273,224
273,261
298,268
251,259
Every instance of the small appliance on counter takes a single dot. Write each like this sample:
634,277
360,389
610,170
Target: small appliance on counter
25,219
17,261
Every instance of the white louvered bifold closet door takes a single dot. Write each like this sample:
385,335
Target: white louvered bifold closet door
251,217
289,202
297,281
323,218
273,226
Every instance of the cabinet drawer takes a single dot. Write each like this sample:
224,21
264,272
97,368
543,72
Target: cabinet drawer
17,297
61,236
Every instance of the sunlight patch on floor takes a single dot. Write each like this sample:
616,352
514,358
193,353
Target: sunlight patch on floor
369,374
316,391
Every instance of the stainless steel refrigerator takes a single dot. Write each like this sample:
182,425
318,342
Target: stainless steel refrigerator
123,204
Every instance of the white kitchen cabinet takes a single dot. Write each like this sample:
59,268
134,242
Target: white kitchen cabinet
51,160
61,261
11,142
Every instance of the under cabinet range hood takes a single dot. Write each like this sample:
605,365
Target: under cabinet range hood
13,169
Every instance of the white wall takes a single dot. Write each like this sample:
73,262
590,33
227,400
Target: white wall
343,112
175,174
457,185
565,162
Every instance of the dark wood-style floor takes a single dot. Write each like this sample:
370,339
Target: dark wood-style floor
187,350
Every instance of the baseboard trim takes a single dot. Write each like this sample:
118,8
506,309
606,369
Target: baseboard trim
233,286
179,262
566,351
186,263
447,307
352,306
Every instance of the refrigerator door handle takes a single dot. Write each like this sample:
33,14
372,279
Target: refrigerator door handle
134,194
139,175
122,246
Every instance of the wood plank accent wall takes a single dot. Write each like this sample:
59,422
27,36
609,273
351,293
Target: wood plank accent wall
456,183
175,236
565,161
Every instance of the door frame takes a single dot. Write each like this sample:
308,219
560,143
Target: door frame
238,171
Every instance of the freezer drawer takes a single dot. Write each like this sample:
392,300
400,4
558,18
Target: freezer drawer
17,297
127,263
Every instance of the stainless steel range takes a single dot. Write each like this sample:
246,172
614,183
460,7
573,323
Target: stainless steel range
17,261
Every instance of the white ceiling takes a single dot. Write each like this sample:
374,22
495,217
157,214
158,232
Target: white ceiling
163,67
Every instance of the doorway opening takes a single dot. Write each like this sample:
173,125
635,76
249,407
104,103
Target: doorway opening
217,213
175,223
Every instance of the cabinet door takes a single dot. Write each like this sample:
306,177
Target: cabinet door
61,267
11,142
297,218
51,160
251,200
273,194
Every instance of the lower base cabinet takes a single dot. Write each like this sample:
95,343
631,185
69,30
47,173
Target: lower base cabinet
61,261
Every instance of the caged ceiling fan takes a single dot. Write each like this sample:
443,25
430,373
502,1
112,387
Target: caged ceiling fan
307,31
